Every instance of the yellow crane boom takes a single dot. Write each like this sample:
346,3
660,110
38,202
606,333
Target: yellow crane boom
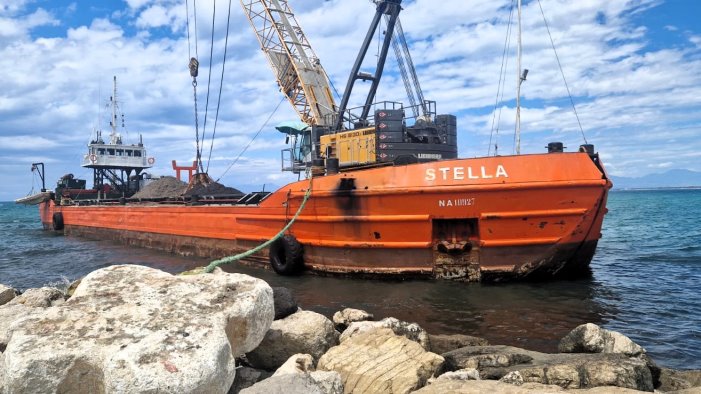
299,73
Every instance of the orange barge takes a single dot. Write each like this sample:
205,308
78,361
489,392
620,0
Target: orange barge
385,198
477,219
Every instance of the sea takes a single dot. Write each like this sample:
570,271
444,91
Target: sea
646,281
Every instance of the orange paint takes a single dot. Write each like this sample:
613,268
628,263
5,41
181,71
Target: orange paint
511,214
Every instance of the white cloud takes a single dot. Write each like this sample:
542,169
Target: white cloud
631,98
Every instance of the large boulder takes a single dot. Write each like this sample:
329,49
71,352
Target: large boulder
6,294
42,297
590,338
444,343
132,329
285,303
380,361
569,371
247,377
342,319
304,332
411,331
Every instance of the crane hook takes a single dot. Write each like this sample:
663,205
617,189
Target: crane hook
194,66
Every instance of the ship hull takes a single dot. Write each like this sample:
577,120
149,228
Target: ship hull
496,218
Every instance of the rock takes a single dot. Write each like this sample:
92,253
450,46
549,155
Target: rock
671,380
590,338
247,377
285,303
444,343
6,294
298,363
43,297
410,330
304,332
381,361
486,386
129,328
569,371
491,386
513,377
23,305
342,319
298,383
462,374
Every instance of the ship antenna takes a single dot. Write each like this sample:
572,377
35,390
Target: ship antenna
113,121
519,80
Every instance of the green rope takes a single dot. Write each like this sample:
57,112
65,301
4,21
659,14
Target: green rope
231,259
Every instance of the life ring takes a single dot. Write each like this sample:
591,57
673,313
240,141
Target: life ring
57,221
93,158
286,255
151,160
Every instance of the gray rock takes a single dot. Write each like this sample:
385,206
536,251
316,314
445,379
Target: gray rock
491,386
24,305
138,329
513,377
462,374
380,361
444,343
43,297
6,294
304,332
590,338
411,331
569,371
247,377
672,380
285,303
342,319
296,383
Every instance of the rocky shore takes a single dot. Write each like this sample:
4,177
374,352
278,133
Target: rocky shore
133,329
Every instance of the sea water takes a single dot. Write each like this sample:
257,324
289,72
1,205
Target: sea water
646,281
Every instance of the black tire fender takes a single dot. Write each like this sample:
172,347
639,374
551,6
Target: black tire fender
287,255
57,221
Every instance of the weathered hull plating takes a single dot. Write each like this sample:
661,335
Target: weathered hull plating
471,219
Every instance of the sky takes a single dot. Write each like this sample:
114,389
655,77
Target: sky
633,68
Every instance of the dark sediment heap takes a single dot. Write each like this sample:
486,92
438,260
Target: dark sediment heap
165,187
171,187
137,329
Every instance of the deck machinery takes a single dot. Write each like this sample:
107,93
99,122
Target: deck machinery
345,137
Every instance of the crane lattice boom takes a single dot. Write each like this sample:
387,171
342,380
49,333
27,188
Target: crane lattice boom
297,68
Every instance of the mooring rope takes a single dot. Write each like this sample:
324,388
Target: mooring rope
231,259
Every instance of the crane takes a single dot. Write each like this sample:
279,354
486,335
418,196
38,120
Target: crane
332,133
298,70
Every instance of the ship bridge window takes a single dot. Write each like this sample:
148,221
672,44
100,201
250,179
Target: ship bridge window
110,152
120,152
101,151
137,153
129,153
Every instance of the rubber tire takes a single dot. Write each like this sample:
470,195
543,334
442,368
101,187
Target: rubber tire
57,221
287,255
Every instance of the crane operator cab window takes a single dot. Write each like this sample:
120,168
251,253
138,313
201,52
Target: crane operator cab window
302,147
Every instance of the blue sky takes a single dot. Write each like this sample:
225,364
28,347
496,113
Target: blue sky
633,66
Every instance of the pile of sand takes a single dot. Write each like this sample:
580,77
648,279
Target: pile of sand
164,187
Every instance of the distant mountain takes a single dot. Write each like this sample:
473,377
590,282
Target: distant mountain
671,178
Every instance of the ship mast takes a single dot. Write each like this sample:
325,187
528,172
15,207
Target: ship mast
113,121
519,80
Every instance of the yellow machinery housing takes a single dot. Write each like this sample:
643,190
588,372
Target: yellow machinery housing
350,147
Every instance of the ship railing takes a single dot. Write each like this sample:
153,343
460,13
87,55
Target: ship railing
413,112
